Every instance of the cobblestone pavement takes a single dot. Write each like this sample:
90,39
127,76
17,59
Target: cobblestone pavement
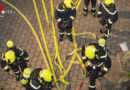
13,27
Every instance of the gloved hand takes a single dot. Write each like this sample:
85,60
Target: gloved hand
88,63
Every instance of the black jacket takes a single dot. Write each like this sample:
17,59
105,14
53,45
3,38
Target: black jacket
110,14
20,55
64,13
35,82
101,58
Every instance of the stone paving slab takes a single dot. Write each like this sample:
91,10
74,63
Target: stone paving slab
13,27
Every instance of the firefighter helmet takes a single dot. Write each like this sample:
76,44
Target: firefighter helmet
90,51
10,44
27,73
68,3
108,2
10,56
46,75
102,42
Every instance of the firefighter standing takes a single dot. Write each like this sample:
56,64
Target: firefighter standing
107,15
93,9
41,80
14,58
96,61
65,14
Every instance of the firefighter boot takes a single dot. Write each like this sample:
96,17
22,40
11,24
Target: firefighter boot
17,77
93,12
85,11
70,37
61,37
107,34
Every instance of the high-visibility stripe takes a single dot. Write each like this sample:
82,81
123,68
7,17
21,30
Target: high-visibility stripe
102,45
108,33
22,52
42,73
17,72
109,21
58,20
61,10
26,76
72,17
6,67
108,10
99,12
27,58
68,33
92,86
93,8
92,49
61,33
84,57
3,56
73,7
34,86
85,8
94,67
100,64
105,69
104,56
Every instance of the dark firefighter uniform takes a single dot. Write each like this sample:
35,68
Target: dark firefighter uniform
40,80
93,9
14,58
26,78
65,13
108,15
97,62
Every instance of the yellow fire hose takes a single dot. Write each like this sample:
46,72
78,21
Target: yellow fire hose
75,45
56,45
44,41
46,15
33,30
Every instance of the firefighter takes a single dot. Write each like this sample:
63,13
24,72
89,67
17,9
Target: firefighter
96,61
41,79
65,13
93,9
108,15
14,58
26,77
